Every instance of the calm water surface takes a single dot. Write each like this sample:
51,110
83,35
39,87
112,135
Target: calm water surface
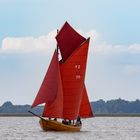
98,128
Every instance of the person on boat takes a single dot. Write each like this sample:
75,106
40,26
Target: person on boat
65,122
78,122
69,122
55,119
73,122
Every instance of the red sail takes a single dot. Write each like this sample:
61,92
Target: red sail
55,109
85,108
49,87
68,40
73,76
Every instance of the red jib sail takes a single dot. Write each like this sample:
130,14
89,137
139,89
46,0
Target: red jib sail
68,40
73,76
54,109
49,88
85,108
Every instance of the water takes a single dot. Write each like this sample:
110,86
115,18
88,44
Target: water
98,128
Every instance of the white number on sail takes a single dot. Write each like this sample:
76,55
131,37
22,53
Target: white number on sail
78,77
77,66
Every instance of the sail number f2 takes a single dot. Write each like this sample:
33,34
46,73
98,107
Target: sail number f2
77,68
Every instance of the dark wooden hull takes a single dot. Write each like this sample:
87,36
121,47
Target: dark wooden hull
50,125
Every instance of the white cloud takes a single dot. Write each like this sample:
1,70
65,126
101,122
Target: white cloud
97,46
44,43
47,43
93,34
134,48
29,44
105,48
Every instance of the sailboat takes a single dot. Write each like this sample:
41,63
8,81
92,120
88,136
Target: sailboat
63,89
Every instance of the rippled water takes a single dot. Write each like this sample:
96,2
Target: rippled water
98,128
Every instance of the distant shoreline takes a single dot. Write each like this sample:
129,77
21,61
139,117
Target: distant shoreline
96,115
15,115
101,108
118,115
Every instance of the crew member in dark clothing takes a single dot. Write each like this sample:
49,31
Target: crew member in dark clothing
69,122
78,122
65,122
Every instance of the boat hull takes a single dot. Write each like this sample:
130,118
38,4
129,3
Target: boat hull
50,125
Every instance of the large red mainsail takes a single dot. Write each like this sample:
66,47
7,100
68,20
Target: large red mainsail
73,76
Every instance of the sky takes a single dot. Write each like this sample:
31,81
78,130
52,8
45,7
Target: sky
27,41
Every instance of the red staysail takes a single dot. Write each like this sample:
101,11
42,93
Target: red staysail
68,40
73,76
55,109
49,88
85,108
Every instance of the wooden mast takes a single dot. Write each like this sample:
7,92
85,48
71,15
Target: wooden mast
57,49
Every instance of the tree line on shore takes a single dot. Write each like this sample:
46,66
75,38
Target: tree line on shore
117,106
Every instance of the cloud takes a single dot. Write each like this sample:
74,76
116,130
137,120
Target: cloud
93,34
44,43
105,48
29,44
47,43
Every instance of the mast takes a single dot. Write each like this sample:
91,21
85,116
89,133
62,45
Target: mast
57,48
